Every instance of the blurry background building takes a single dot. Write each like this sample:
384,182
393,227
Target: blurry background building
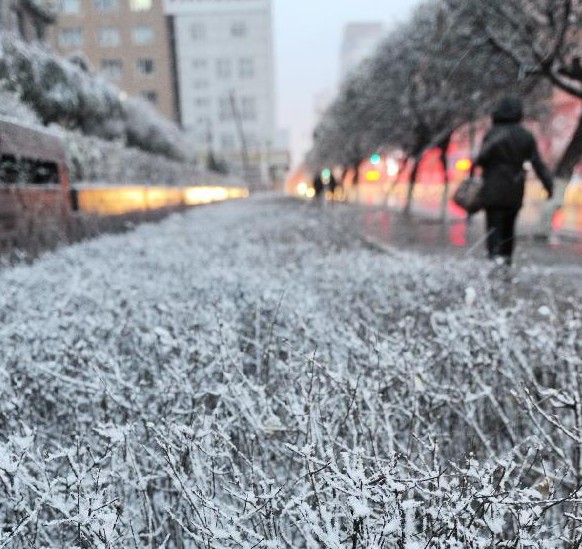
29,19
127,41
359,41
224,60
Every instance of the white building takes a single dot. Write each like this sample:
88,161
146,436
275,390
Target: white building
359,41
225,78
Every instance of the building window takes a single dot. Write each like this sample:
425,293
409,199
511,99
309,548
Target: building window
140,5
150,96
224,109
248,108
112,68
202,103
238,29
69,6
145,67
198,31
199,64
143,34
108,36
223,68
246,68
200,84
71,37
105,5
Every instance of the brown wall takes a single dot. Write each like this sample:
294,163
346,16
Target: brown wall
131,82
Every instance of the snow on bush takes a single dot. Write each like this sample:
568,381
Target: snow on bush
249,375
91,159
61,92
11,106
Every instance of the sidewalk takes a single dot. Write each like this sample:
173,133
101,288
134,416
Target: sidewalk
569,218
423,231
527,226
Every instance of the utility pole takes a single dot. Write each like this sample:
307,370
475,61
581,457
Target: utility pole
239,128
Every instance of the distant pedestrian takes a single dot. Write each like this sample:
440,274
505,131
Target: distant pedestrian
506,146
332,185
318,187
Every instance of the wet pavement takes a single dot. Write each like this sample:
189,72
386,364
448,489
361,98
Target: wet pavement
425,234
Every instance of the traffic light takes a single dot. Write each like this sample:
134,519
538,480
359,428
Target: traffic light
375,159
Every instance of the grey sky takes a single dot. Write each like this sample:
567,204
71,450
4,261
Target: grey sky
307,37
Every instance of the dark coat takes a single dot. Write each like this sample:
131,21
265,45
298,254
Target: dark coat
332,184
318,184
506,146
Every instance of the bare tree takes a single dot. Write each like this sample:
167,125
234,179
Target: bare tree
423,83
543,38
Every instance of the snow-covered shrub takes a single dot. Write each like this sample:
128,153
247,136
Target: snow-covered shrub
250,375
93,160
144,125
11,106
61,92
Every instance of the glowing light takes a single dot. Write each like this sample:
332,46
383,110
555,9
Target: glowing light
326,173
558,220
206,195
375,159
112,201
372,175
140,5
392,167
302,188
310,192
121,200
463,164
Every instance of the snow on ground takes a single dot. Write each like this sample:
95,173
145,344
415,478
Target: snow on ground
252,374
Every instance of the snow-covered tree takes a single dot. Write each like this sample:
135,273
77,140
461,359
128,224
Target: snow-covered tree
543,39
428,78
61,92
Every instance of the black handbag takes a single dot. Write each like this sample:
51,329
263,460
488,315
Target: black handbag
469,194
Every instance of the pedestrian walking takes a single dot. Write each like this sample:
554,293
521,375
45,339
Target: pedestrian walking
318,188
332,185
506,146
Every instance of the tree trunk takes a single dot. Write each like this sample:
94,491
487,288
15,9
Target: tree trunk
444,146
411,184
572,155
355,189
562,175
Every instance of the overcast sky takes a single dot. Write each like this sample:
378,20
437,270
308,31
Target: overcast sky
308,36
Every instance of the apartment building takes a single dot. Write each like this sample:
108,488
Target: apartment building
224,64
358,42
127,41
